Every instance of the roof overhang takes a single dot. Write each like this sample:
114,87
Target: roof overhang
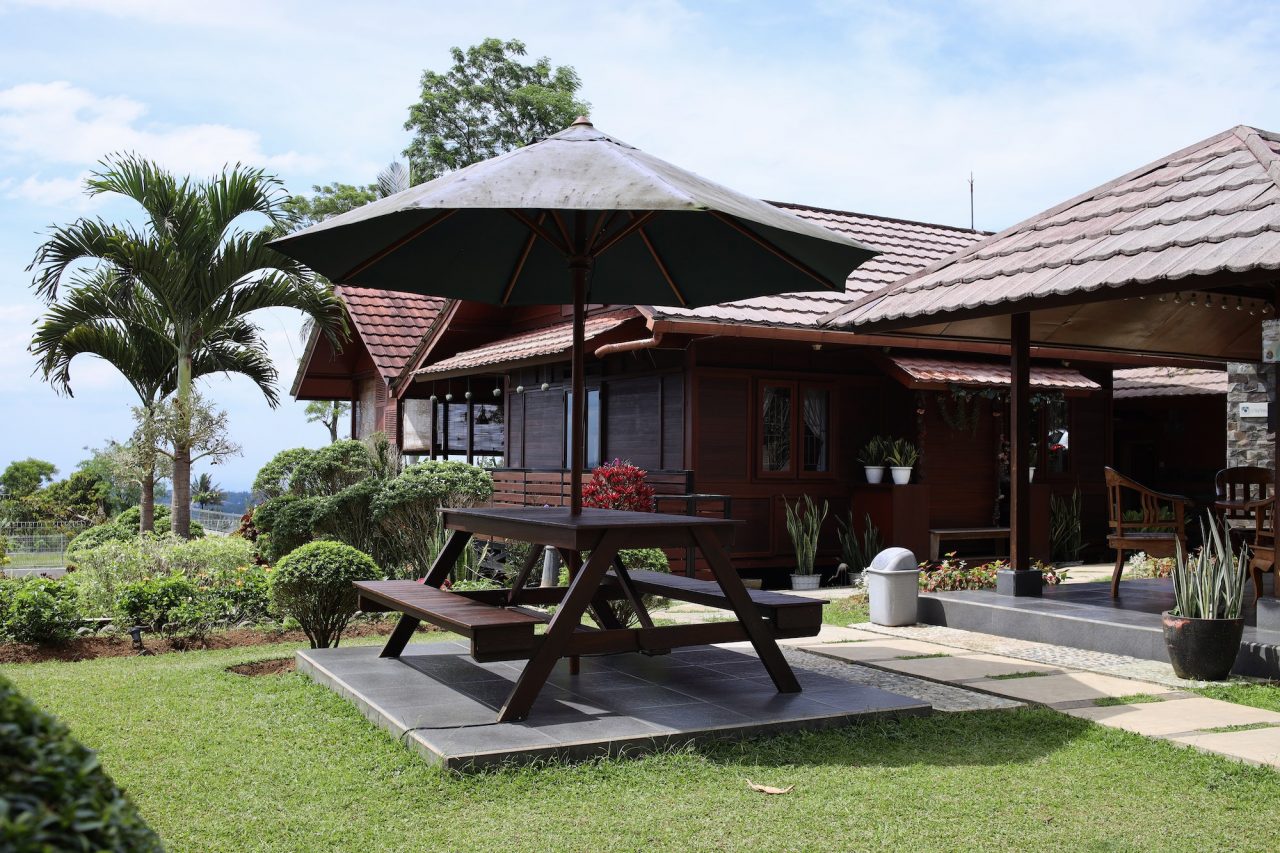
934,374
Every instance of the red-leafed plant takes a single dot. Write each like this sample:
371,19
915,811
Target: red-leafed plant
618,485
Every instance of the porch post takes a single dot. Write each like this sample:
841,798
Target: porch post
471,427
1019,579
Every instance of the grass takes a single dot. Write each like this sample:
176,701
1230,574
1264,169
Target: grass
1258,694
1006,676
846,611
1132,699
923,657
218,761
1242,727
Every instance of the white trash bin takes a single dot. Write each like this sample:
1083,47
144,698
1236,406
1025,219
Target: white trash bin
893,587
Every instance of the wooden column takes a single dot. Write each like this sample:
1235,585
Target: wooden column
1022,580
471,427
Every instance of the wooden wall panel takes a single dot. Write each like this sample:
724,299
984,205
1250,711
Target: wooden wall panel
960,466
672,421
544,434
632,431
723,431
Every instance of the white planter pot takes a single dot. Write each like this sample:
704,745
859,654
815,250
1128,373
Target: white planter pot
875,473
805,581
1031,474
901,474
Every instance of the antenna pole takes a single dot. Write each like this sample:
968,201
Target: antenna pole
971,226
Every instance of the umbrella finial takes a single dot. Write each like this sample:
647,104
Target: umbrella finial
582,121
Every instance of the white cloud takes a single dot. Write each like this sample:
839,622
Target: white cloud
61,124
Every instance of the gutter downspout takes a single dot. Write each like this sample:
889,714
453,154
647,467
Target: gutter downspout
629,346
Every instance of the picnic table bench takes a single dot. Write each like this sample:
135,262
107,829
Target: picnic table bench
501,623
938,534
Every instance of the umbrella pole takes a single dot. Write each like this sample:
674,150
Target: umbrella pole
579,268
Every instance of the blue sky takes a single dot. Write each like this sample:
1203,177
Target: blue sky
877,107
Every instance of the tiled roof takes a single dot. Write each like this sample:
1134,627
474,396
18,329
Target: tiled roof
930,371
1168,382
1211,207
906,247
546,341
389,323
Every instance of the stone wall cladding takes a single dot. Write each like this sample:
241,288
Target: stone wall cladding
1249,442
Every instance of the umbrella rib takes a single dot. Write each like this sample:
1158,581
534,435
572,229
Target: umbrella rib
407,238
537,228
662,268
564,232
771,248
628,229
524,256
602,222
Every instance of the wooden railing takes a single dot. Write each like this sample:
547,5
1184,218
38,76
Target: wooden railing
550,486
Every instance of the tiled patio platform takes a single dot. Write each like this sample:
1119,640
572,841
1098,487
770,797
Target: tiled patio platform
437,700
1086,617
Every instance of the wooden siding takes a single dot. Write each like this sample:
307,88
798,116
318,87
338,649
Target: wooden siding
960,466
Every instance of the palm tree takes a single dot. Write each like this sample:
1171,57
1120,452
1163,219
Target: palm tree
196,269
132,335
205,492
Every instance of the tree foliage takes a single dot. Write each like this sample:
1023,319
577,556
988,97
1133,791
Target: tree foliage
25,476
328,413
488,103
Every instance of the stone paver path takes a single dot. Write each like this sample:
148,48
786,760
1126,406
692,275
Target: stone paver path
1125,693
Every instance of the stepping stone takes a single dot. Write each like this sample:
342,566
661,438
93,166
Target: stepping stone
1256,746
883,648
1158,719
834,634
1056,690
966,667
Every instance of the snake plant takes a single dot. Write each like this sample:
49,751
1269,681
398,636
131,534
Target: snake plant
1209,583
804,523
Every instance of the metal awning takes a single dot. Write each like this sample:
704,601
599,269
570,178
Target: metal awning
934,374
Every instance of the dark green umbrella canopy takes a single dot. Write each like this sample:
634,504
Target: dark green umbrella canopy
578,217
500,231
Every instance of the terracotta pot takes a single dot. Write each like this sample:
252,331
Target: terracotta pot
805,581
1202,649
875,473
901,474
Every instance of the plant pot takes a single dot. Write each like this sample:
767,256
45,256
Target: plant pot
1031,474
875,473
1202,649
805,581
901,474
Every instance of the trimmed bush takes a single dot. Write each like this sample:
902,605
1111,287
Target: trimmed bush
38,610
273,478
151,603
285,523
407,509
314,585
53,793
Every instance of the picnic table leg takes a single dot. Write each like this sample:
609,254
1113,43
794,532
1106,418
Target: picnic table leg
582,589
757,632
439,571
400,636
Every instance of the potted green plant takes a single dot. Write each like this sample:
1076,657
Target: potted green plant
873,456
804,523
1202,632
902,458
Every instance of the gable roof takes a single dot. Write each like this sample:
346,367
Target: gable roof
1213,207
390,323
906,246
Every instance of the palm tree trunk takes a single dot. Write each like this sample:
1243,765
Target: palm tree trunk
332,423
182,449
147,509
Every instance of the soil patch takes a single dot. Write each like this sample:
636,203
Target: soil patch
275,666
89,648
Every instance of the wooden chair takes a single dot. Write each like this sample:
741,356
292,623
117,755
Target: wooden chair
1235,490
1156,536
1263,556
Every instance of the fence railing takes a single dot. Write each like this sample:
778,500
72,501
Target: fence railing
38,546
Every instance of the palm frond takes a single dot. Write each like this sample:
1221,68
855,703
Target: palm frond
393,179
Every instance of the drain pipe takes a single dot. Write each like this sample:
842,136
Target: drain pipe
629,346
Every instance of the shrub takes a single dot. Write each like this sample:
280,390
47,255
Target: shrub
273,478
314,585
238,594
54,795
331,469
407,508
285,523
38,610
4,551
97,535
197,558
618,485
955,574
152,602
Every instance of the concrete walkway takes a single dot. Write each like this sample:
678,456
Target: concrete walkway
1090,685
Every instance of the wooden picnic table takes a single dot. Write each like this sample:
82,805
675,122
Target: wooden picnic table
500,624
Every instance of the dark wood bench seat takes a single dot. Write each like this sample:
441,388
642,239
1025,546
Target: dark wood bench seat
788,615
495,632
937,534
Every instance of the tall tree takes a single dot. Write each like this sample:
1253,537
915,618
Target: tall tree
332,199
195,265
26,476
100,315
205,492
488,103
329,413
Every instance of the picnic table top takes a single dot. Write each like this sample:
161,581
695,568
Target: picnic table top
558,527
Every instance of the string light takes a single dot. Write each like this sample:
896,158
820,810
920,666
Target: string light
1239,303
1192,303
1177,299
1163,297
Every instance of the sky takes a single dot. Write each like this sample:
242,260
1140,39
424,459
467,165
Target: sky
882,108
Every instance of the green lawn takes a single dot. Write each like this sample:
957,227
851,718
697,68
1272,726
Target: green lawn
1258,694
846,611
218,761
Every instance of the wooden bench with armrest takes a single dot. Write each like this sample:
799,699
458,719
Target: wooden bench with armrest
1262,556
1153,532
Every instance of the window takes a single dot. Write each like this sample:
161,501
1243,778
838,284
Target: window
776,429
795,429
815,424
593,428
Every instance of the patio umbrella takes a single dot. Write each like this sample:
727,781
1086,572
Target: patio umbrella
575,218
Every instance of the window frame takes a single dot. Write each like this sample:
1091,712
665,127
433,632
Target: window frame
798,389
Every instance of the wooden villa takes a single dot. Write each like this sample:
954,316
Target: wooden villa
752,403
